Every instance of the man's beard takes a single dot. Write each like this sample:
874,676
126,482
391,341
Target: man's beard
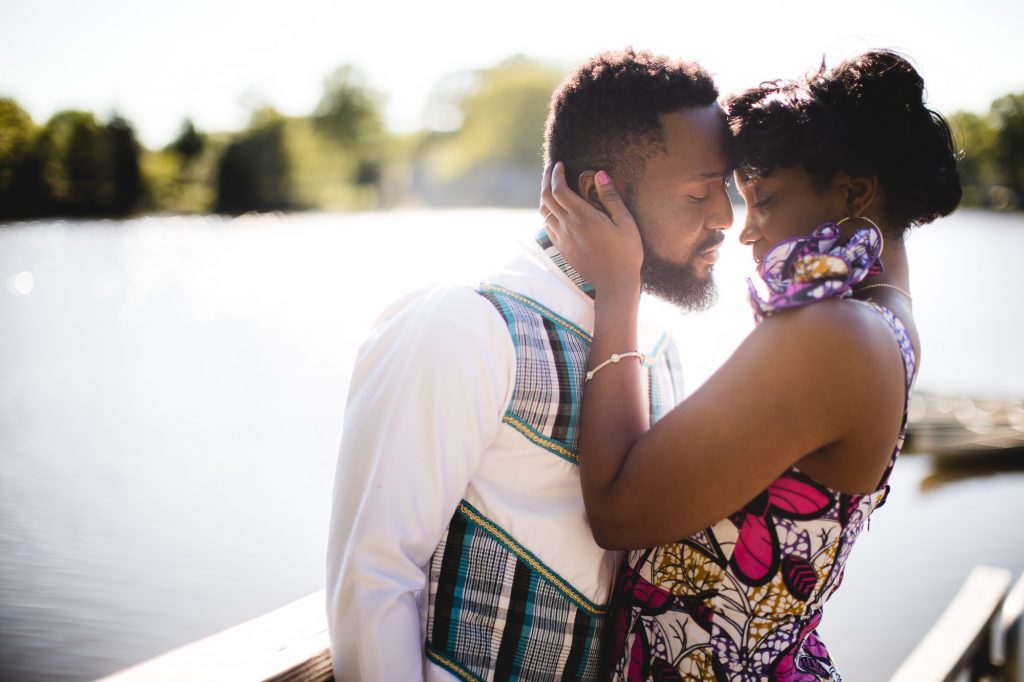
679,283
675,283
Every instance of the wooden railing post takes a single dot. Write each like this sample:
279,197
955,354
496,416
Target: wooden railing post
1011,632
961,638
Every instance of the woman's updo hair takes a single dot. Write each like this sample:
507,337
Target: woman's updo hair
866,117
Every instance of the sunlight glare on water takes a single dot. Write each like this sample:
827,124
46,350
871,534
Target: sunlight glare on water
21,284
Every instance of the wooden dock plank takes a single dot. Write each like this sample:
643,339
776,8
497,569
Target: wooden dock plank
290,644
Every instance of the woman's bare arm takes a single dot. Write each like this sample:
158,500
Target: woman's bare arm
615,394
769,406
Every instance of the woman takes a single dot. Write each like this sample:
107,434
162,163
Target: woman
771,469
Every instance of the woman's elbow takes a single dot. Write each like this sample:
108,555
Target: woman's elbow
609,532
619,531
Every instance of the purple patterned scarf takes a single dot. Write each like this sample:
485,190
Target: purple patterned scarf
803,270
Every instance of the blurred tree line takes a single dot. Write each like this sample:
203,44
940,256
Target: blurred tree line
992,159
74,165
480,144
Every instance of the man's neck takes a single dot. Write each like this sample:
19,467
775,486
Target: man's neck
552,252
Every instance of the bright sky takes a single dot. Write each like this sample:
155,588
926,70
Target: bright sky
216,60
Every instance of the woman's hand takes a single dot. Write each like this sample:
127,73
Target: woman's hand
604,249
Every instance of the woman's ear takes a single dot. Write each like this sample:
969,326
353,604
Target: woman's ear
588,189
862,197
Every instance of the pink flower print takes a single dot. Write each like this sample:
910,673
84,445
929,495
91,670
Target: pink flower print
806,660
653,601
698,607
622,611
799,577
814,647
637,598
786,671
756,557
638,665
848,505
663,671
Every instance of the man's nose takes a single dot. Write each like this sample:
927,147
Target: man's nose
721,219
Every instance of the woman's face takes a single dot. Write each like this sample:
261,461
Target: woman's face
785,204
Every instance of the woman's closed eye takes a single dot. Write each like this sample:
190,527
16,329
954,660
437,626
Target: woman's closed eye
762,203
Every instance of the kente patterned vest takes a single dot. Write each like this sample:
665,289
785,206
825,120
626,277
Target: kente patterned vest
496,611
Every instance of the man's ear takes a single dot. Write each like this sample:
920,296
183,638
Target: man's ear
587,183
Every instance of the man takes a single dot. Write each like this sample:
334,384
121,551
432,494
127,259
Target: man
459,546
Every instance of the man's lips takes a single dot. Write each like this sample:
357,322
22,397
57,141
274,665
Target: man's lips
710,252
712,244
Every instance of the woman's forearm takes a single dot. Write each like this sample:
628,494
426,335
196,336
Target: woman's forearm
614,410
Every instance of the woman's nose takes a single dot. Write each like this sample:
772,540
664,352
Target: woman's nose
749,234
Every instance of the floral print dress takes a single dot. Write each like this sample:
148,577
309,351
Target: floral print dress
740,600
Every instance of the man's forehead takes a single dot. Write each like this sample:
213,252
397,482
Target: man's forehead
696,142
705,119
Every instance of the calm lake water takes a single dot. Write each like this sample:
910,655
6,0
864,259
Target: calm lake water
171,393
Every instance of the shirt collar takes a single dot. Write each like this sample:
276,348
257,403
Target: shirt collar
552,252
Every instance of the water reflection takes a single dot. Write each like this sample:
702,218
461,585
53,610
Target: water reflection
965,438
978,465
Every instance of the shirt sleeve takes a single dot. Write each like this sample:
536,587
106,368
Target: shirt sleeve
427,394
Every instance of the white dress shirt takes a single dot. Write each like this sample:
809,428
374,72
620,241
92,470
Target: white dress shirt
424,431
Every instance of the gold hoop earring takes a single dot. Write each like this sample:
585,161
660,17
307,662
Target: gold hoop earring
873,224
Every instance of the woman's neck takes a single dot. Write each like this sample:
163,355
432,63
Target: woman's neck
897,268
891,287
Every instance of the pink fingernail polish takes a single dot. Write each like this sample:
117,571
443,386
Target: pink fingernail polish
603,178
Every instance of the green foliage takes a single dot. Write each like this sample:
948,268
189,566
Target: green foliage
503,119
1008,118
349,113
482,147
76,172
162,170
82,167
16,137
254,173
991,164
974,138
20,188
346,172
495,156
322,172
190,143
182,177
124,165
